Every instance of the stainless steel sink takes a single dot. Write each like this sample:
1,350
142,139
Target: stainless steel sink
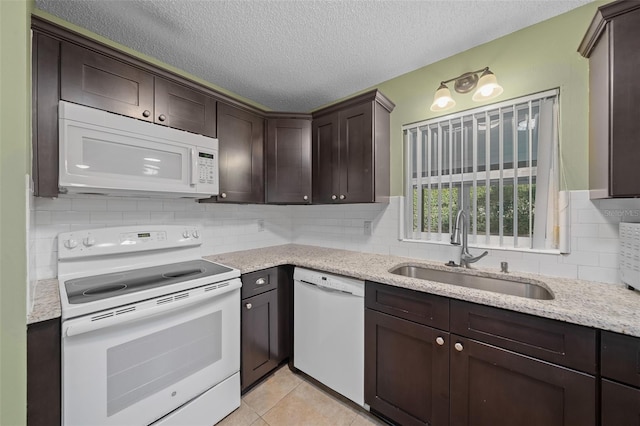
496,285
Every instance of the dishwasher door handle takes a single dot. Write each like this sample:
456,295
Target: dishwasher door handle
327,289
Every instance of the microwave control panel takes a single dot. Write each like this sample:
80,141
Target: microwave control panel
207,165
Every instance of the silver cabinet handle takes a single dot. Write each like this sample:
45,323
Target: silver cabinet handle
333,197
261,281
305,198
439,341
223,195
146,113
249,305
458,347
162,117
342,197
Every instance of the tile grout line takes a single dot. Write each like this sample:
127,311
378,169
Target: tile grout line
283,397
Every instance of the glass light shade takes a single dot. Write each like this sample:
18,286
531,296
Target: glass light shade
488,87
442,99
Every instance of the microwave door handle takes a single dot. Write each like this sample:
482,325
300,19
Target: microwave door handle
194,167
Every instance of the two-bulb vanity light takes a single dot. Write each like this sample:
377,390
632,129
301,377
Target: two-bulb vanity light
487,88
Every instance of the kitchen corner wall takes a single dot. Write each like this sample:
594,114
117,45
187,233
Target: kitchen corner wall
230,227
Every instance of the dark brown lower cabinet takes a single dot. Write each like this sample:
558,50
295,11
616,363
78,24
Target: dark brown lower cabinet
44,373
620,404
478,366
259,336
491,386
266,322
406,370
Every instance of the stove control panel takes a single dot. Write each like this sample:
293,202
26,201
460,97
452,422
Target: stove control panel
142,237
104,241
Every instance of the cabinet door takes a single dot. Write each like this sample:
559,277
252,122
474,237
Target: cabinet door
406,370
356,154
326,159
44,373
625,103
241,144
493,387
183,108
288,161
620,405
92,79
259,336
45,98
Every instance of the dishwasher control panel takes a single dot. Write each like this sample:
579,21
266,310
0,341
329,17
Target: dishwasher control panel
330,281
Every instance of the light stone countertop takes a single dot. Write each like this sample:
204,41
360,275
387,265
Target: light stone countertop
605,306
46,304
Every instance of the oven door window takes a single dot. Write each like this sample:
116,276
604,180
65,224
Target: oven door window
142,367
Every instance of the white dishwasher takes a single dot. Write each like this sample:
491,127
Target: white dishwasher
328,336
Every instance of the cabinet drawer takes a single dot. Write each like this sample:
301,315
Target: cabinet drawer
411,305
620,357
570,345
258,282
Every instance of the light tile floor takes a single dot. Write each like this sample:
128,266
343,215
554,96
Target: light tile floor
286,399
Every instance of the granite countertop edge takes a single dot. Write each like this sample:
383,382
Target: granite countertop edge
609,307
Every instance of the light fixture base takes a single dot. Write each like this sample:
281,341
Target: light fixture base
466,82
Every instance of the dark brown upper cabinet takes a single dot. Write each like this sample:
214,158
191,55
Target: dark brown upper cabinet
183,108
93,79
288,166
241,144
350,142
612,43
45,80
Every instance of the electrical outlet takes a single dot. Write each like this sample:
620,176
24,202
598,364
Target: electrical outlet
367,227
260,225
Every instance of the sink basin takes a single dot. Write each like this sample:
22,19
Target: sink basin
496,285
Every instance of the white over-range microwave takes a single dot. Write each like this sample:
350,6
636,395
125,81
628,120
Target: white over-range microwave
106,153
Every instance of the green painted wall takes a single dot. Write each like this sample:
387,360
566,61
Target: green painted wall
14,165
534,59
150,59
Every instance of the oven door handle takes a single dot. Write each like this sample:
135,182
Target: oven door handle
146,309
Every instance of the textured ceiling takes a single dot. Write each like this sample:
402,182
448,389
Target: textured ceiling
299,55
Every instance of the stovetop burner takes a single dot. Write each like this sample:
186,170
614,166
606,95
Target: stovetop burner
98,287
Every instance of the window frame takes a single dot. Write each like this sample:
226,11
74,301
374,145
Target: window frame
411,183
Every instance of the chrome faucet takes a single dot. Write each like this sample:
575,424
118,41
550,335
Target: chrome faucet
461,228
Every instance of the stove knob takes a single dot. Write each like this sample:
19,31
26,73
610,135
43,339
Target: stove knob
70,244
195,234
186,234
88,242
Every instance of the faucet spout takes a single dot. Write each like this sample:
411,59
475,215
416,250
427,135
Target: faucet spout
460,236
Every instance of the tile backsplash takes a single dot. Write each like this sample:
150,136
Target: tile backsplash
227,227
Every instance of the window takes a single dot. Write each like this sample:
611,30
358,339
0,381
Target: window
499,163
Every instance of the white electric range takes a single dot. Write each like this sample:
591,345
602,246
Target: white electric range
150,330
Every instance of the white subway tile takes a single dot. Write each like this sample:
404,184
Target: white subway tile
150,205
107,218
70,217
559,270
52,203
594,273
88,204
600,245
608,260
120,205
585,229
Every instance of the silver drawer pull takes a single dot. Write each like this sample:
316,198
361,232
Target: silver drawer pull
458,347
261,281
439,341
249,305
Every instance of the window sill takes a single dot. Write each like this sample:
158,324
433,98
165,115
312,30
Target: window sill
486,247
